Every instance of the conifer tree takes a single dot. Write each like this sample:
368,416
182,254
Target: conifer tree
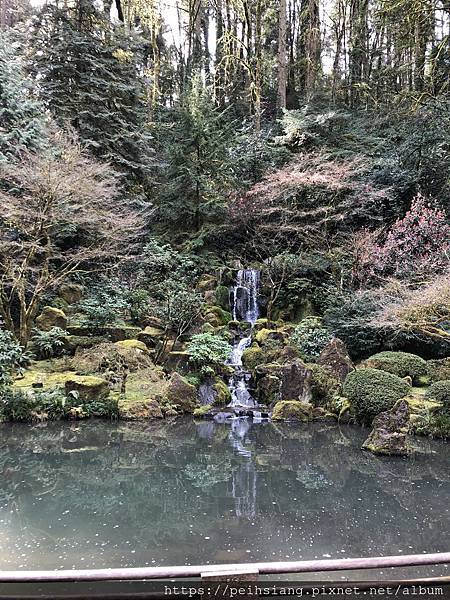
22,122
89,77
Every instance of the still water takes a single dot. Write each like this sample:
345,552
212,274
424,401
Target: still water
96,494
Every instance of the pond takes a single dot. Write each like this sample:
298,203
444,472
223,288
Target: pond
96,494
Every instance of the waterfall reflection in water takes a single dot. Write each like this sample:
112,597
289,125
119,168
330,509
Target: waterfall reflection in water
175,492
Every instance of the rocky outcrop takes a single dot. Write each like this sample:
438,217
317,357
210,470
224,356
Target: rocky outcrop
389,435
140,411
335,357
150,336
51,317
294,379
71,292
181,394
293,410
88,388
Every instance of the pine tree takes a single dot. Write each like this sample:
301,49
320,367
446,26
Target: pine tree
198,174
22,123
89,77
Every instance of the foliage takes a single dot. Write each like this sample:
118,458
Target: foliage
21,115
401,364
353,323
416,245
305,128
440,392
178,306
103,307
208,351
47,344
310,337
158,261
371,391
108,109
60,215
15,405
13,358
198,173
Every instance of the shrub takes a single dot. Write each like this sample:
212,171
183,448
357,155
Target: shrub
48,343
401,364
371,391
13,358
208,352
310,337
102,309
440,392
16,405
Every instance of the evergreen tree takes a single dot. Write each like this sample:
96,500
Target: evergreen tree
89,77
198,173
21,116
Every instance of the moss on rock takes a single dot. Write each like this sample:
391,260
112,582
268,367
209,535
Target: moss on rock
293,410
51,317
132,345
222,393
139,410
87,387
217,316
181,394
324,385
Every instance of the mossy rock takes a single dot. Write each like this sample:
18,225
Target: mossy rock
293,410
222,393
324,385
114,333
217,316
71,292
440,392
263,336
253,356
178,361
51,317
72,343
132,345
222,296
139,411
372,391
206,283
35,377
150,336
402,364
208,328
88,388
439,370
181,394
268,390
202,411
265,324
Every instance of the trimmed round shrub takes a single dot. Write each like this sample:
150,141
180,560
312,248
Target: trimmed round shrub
372,391
440,392
401,364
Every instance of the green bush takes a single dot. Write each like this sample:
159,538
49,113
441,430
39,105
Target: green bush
401,364
47,344
310,337
13,358
16,405
440,392
208,352
372,391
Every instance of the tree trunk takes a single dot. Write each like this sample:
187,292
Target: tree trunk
282,58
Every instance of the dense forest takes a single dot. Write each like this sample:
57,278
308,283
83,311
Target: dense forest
154,158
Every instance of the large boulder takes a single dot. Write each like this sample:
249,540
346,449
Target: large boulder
295,379
335,357
150,336
293,410
390,432
88,388
181,394
51,317
139,411
71,292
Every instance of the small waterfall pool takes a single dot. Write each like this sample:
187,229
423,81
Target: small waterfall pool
244,304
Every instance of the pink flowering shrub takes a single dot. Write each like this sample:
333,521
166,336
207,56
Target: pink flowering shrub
417,244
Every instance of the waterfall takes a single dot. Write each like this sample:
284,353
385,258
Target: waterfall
244,302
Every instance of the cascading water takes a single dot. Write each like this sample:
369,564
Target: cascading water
244,302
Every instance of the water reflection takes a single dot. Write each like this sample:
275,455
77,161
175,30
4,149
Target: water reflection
107,495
